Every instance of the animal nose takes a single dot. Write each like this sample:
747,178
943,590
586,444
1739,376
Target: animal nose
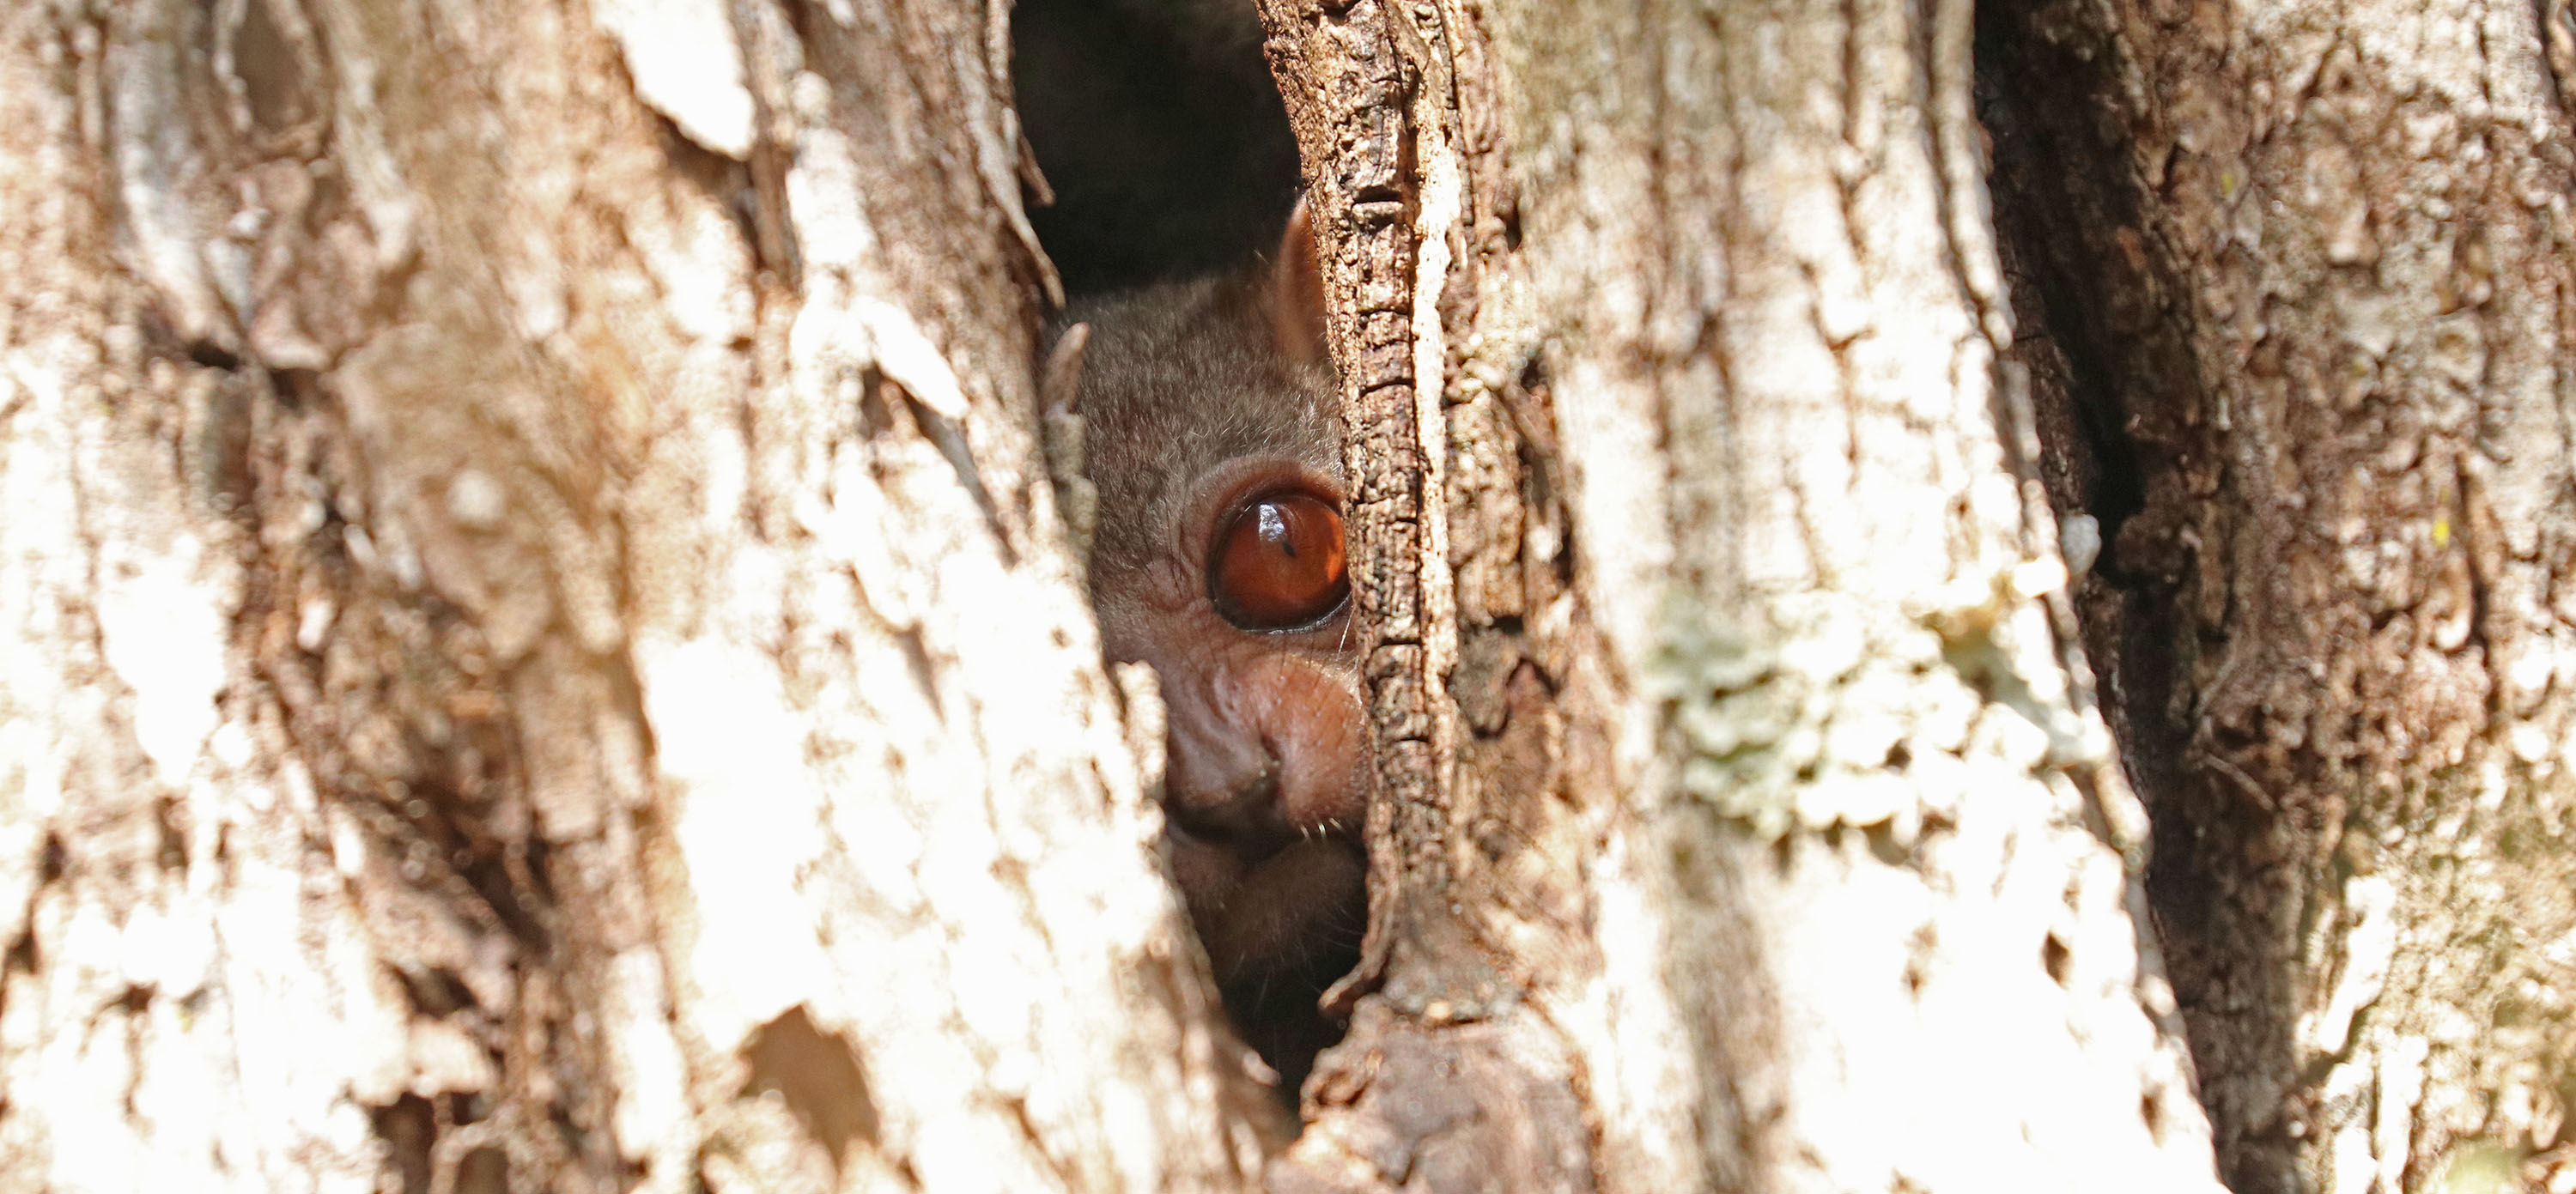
1261,755
1236,806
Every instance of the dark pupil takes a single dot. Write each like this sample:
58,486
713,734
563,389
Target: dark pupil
1278,564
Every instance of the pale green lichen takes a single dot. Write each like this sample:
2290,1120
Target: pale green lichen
2480,1167
1839,712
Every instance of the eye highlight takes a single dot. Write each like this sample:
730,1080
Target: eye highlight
1277,563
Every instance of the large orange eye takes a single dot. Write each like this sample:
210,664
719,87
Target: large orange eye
1278,563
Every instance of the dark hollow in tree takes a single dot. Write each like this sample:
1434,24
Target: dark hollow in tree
1160,132
1211,440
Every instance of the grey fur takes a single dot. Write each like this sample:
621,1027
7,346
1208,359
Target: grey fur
1179,379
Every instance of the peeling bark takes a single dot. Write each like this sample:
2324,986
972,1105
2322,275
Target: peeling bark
539,650
1724,714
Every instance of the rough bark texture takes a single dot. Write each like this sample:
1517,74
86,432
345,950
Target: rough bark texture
2309,274
537,649
536,653
1814,873
1451,1078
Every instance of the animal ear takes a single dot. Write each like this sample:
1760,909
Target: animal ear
1061,381
1297,293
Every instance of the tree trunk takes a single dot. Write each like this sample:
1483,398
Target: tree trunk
1741,794
539,651
2308,273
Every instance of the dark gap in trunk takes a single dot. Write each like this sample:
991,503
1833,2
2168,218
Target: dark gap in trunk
2076,317
2102,326
1164,142
1161,133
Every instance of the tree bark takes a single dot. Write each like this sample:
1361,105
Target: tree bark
540,654
1739,784
2307,273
